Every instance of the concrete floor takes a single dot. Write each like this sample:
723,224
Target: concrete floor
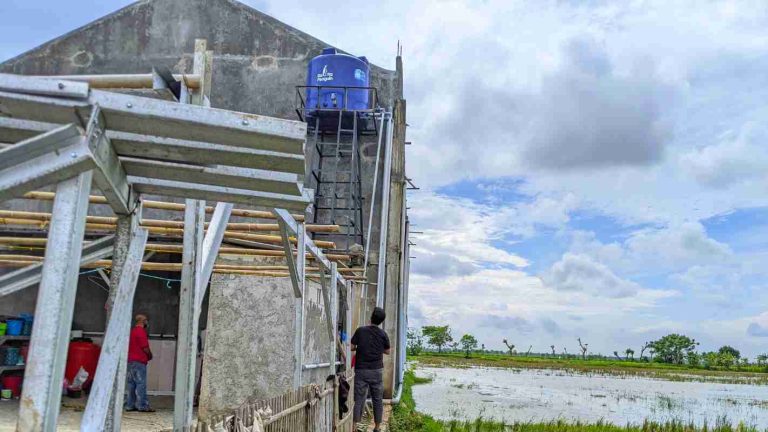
72,412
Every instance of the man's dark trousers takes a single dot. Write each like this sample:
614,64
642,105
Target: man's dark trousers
365,380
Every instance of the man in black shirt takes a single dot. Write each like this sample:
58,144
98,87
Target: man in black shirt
370,343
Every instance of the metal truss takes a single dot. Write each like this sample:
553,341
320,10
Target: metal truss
164,129
66,134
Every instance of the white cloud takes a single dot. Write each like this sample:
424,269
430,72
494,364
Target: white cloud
581,273
497,303
656,250
524,219
733,160
460,230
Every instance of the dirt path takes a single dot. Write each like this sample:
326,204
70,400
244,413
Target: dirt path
72,413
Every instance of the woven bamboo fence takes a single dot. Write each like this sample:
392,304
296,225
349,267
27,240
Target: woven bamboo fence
312,408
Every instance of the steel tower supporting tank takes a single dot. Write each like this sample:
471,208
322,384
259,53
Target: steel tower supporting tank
333,71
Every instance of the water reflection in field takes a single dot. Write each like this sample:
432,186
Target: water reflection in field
542,395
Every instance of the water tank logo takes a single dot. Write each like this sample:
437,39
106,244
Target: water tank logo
360,74
325,75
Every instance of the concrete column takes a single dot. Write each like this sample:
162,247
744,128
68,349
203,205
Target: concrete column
125,225
394,246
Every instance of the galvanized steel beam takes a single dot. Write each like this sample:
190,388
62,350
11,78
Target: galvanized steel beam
296,281
41,396
201,152
218,193
135,114
115,343
385,198
110,176
326,282
333,312
211,244
189,313
298,337
42,160
348,325
45,87
31,275
225,176
293,227
150,146
13,130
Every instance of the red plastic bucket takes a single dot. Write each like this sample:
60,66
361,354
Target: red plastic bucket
82,354
13,382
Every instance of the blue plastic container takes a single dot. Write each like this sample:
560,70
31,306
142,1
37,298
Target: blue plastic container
334,71
12,355
15,326
28,320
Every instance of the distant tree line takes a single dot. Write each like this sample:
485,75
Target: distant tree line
671,349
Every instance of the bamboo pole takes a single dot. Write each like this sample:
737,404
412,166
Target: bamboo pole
124,81
174,248
163,205
111,220
273,271
177,232
177,266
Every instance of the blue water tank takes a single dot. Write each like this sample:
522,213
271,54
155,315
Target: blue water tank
333,71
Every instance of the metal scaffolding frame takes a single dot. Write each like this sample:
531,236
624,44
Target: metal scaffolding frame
331,282
65,133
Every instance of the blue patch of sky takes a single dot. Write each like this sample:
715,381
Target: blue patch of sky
605,228
493,191
541,251
25,24
548,244
744,230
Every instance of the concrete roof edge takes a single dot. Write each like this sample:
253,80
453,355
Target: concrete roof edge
274,20
233,3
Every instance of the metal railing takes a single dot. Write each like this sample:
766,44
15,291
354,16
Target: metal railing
302,91
312,408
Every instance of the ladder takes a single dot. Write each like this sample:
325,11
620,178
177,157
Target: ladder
338,198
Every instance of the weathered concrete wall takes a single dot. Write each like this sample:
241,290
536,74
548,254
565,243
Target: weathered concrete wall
249,350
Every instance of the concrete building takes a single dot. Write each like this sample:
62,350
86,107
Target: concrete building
258,61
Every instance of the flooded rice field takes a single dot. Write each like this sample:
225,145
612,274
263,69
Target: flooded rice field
536,395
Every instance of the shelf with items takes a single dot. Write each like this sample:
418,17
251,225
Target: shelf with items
11,368
4,341
7,338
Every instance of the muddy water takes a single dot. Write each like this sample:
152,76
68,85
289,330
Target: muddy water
542,395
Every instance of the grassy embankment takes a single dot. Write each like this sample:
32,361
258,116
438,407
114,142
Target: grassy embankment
749,374
405,418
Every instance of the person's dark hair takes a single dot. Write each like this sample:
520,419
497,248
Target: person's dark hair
378,316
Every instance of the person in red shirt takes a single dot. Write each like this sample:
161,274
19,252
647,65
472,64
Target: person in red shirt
139,355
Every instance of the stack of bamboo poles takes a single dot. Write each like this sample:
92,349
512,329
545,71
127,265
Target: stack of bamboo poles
240,231
258,270
253,232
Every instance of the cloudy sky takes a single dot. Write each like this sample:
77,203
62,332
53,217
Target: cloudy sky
588,169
